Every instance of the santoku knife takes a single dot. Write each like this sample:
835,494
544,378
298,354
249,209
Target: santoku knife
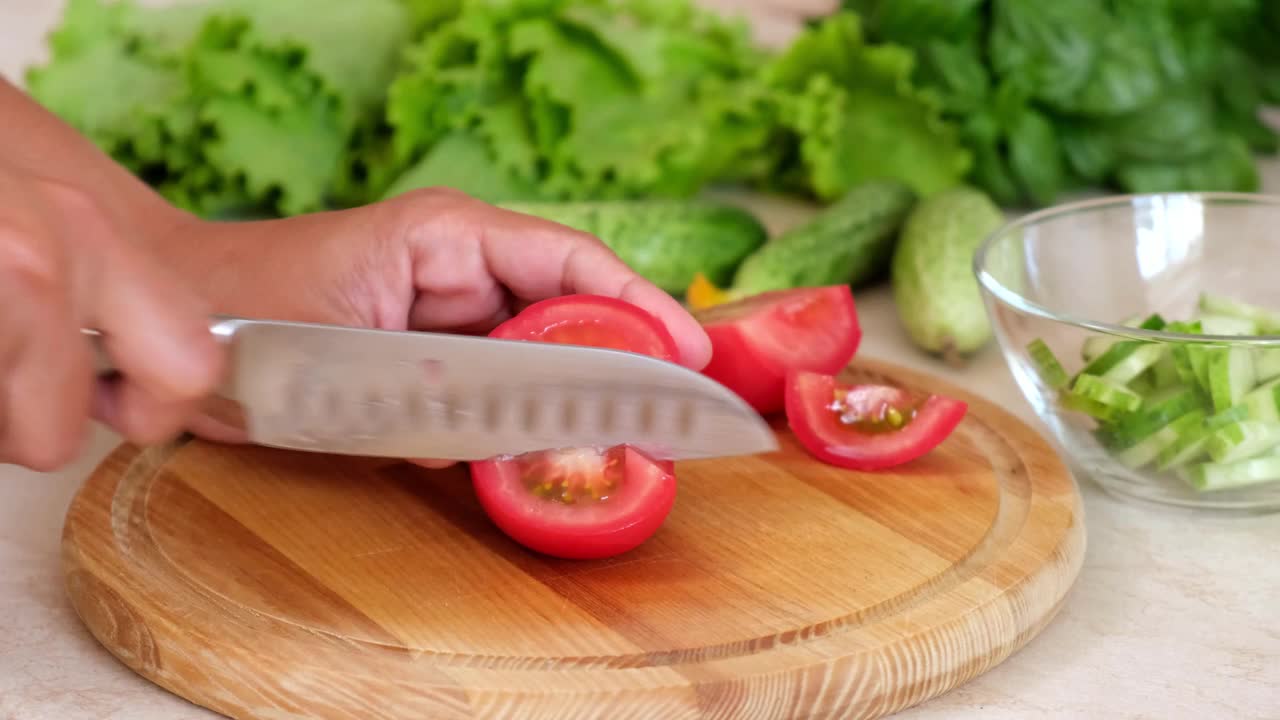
382,393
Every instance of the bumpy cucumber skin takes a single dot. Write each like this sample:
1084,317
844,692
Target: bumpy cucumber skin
934,288
667,242
849,242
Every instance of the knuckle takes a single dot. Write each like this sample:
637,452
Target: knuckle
69,200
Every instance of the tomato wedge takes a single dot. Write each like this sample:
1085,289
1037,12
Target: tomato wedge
757,340
581,503
595,320
577,504
866,427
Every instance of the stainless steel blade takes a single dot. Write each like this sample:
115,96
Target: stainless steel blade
355,391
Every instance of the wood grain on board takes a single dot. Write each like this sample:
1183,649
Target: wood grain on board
269,584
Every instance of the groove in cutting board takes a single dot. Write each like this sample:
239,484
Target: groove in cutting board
269,584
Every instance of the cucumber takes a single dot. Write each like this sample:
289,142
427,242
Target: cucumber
1188,446
1208,477
1209,414
1266,363
1227,325
1265,321
667,242
1125,360
1230,375
1106,392
850,242
1096,345
1047,365
1156,412
1150,447
1242,440
934,288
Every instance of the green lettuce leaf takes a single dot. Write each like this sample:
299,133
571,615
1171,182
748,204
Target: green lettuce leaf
567,103
857,116
225,105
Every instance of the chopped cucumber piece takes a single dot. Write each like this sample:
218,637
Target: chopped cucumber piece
1208,477
1207,413
1051,371
1157,411
1266,363
1227,417
1230,375
1150,448
1165,372
1187,447
1227,325
1153,322
1095,346
1265,320
1088,406
1242,440
1106,392
1263,402
1124,361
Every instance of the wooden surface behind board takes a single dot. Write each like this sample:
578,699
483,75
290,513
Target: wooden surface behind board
267,584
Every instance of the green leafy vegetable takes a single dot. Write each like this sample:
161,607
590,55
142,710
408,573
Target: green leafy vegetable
574,108
228,105
1137,95
854,114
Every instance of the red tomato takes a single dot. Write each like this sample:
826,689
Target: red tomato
577,504
866,427
593,320
756,341
581,503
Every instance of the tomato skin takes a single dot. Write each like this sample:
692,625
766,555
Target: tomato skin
589,529
593,320
589,532
809,397
757,341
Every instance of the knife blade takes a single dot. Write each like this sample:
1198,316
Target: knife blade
382,393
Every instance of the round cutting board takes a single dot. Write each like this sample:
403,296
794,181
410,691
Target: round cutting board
270,584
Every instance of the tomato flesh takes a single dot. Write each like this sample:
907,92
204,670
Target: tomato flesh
581,503
866,427
593,320
757,341
577,504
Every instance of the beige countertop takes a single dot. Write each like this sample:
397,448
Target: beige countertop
1175,614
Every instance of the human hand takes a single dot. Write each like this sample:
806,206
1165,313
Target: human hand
66,264
427,260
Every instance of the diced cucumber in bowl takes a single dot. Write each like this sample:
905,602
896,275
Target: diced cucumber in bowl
1208,413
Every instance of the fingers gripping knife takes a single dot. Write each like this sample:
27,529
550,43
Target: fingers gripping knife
353,391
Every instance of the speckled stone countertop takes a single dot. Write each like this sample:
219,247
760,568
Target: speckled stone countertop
1175,614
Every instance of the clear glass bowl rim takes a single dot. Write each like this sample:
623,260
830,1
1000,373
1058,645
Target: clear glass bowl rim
1013,299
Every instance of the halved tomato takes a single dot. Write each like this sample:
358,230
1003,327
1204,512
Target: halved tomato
866,427
595,320
581,503
757,340
577,504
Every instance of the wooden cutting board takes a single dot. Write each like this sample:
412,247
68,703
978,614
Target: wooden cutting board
268,584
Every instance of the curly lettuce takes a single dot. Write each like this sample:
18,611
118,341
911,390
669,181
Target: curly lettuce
568,103
225,106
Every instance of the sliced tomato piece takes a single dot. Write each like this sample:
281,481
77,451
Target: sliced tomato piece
577,504
581,503
757,340
593,320
866,427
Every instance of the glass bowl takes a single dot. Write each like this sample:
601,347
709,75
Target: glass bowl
1145,404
